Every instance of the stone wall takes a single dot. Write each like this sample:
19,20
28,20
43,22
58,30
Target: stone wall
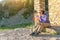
54,12
53,9
42,4
37,5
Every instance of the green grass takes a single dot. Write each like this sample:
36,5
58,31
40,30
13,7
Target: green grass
25,25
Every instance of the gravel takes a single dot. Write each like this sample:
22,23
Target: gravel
23,34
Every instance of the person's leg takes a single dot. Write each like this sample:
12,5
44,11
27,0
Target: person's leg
37,25
37,28
41,27
46,25
34,31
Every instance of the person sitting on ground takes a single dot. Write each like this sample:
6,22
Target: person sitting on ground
44,20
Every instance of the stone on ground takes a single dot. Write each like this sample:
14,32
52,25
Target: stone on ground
24,34
50,30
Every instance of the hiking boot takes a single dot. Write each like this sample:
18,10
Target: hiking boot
38,33
32,33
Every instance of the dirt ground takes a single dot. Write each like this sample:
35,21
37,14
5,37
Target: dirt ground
24,34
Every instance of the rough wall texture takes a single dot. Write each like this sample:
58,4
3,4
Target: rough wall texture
54,10
37,5
42,4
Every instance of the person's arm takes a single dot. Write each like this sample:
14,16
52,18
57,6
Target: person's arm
44,17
